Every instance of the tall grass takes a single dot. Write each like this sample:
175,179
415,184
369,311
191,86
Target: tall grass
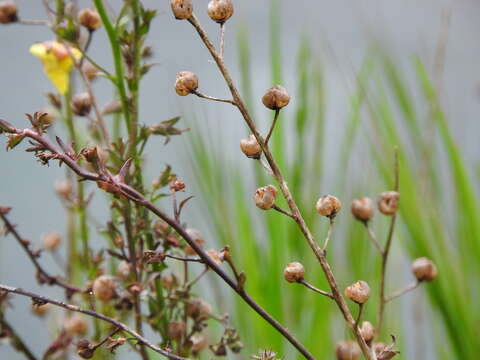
440,216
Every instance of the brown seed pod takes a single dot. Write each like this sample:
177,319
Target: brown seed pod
328,205
388,202
265,197
198,309
358,292
368,331
348,350
176,329
81,104
51,240
294,272
197,238
250,147
90,71
104,287
362,209
89,19
63,188
182,9
276,98
41,310
186,82
76,325
424,269
8,12
220,10
123,269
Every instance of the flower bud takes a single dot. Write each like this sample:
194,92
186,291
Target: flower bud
89,19
197,238
104,287
294,272
358,292
123,269
182,9
48,117
8,12
368,331
41,310
63,188
265,197
51,240
388,202
86,353
328,205
81,104
251,147
220,10
276,98
424,269
176,329
76,325
348,350
90,71
362,209
186,83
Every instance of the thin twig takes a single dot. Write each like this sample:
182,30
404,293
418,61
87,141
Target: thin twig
199,94
44,299
43,274
270,132
198,277
222,39
284,212
311,287
265,166
329,234
373,237
359,315
403,291
184,259
34,22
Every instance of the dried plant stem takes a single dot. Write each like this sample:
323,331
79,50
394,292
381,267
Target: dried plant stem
319,253
373,237
359,315
311,287
16,341
403,291
274,122
199,94
123,327
49,279
329,234
34,22
222,39
284,212
386,251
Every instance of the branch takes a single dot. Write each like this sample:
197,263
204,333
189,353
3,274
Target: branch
401,292
199,94
270,132
311,287
44,299
319,253
373,237
284,212
25,244
329,234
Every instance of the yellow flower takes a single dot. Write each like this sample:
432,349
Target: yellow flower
57,61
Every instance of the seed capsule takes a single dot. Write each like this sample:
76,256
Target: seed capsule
197,238
388,202
368,331
51,240
104,287
265,197
251,147
276,98
294,272
41,310
182,9
81,104
358,292
8,12
90,19
328,206
198,309
76,325
176,329
220,10
348,350
186,83
362,209
424,269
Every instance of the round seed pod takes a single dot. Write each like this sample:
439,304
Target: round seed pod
104,287
250,147
81,104
424,269
186,82
220,10
348,350
182,9
89,19
76,325
358,292
41,310
8,12
63,188
197,238
51,241
368,331
294,272
388,202
176,329
328,206
198,309
362,209
276,98
265,197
